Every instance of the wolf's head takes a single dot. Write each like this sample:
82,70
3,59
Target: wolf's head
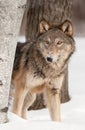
56,44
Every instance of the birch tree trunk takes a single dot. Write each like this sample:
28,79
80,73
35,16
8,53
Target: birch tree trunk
11,12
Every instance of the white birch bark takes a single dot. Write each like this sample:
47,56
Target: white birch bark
11,12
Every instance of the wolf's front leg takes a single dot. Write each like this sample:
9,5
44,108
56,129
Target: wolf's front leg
53,103
29,99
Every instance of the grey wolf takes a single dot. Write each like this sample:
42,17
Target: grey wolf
39,67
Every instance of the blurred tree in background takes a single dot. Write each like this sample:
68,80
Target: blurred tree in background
79,17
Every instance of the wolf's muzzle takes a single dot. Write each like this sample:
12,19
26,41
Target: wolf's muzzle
49,59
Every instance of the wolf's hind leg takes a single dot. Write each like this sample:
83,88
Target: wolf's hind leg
29,99
53,103
19,96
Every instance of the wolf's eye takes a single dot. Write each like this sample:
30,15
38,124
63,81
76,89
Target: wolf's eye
59,43
46,44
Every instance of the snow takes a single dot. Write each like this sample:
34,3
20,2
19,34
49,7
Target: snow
72,112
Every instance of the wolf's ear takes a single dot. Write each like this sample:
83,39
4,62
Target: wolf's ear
67,28
44,26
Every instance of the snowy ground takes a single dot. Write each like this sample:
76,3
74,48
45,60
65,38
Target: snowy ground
72,113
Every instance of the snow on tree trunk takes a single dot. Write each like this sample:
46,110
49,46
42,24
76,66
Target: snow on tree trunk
11,12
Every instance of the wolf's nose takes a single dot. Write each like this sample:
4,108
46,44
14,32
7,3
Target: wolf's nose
49,59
